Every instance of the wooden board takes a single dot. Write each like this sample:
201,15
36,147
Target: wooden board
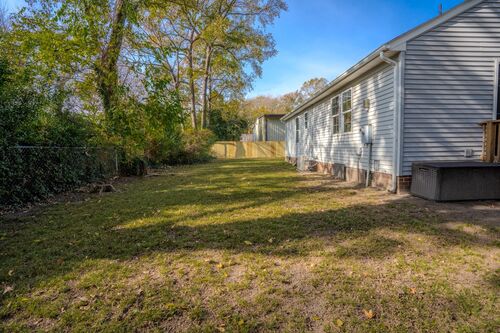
237,149
491,151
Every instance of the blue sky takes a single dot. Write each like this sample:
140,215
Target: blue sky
323,38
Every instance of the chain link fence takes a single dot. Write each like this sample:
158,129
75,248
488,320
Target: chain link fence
30,173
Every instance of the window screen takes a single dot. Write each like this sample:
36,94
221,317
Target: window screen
347,110
335,114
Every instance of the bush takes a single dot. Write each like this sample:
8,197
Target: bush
133,167
197,146
148,133
29,119
227,126
188,147
31,174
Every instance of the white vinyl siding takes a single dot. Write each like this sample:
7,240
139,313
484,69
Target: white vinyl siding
496,105
319,144
290,145
449,86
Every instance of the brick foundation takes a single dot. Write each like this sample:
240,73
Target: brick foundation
355,175
378,179
404,184
326,168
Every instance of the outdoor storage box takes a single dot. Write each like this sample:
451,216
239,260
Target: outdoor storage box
456,181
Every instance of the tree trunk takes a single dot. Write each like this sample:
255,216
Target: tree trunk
208,57
192,88
209,98
107,65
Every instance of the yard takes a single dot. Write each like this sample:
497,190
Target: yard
250,245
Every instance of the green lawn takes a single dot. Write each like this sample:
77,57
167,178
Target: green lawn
250,246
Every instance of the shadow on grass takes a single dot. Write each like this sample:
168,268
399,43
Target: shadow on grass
61,238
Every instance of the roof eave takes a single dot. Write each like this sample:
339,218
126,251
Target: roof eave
373,59
396,45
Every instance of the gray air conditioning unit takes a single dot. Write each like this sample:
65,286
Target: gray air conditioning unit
456,181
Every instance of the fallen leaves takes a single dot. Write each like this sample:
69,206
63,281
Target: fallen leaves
248,242
7,289
369,314
339,323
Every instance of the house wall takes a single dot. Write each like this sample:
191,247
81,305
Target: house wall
290,147
318,143
449,83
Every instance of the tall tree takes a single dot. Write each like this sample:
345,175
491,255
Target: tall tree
309,89
76,42
257,106
216,47
106,65
4,18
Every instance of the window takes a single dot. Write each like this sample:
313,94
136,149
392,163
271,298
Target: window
335,114
297,130
305,120
347,110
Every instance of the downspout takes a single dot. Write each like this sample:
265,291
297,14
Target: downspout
397,115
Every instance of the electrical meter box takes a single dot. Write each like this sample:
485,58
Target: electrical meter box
366,134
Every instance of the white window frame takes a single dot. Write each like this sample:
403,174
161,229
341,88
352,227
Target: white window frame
337,115
496,88
344,112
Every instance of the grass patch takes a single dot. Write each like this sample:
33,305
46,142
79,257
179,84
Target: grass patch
249,246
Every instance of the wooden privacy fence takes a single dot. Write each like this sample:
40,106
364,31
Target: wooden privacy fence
237,149
491,142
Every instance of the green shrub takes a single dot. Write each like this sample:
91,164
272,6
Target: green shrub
31,174
227,126
147,133
187,147
197,146
56,164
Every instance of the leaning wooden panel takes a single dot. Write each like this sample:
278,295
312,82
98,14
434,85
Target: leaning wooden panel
491,141
497,150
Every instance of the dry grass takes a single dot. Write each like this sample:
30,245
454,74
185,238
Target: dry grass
248,246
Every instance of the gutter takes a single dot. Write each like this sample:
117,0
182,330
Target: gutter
396,149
